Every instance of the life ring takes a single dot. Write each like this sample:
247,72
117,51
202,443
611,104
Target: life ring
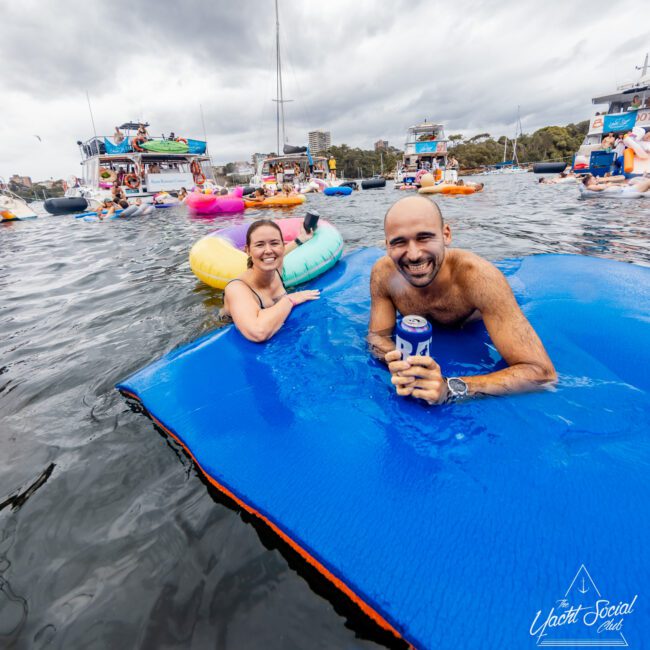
132,181
195,168
135,143
199,178
107,175
181,140
219,257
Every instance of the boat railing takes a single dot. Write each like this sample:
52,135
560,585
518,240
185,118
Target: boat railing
103,145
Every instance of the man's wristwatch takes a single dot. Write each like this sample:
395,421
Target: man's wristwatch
299,241
456,389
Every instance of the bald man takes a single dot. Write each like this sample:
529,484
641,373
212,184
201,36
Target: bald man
419,275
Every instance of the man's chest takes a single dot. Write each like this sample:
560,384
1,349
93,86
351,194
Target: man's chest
451,309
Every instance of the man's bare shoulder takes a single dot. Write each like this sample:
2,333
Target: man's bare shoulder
468,266
382,270
478,277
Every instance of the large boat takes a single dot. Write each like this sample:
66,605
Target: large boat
628,107
425,149
143,167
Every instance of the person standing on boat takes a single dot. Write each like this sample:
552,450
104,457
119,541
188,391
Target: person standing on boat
331,163
117,193
419,276
635,105
142,132
118,136
452,163
608,142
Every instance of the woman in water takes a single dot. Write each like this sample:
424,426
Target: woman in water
257,301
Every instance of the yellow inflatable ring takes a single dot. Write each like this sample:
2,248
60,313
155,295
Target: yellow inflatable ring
219,257
278,201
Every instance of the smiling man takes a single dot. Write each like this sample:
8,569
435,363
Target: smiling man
418,275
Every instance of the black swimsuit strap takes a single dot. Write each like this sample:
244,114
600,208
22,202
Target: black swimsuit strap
257,295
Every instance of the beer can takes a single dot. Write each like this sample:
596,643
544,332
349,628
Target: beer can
413,336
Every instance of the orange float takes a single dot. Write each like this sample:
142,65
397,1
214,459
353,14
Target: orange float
278,201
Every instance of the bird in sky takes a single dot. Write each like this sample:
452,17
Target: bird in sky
39,138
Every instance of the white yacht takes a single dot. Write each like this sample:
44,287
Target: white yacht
12,207
143,166
626,108
425,148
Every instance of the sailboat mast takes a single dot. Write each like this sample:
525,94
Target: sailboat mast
278,79
517,132
280,100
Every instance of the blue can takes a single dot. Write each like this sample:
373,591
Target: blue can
413,336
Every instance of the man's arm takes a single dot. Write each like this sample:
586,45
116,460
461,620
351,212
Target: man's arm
529,366
382,313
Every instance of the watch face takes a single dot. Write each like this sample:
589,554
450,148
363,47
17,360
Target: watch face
457,386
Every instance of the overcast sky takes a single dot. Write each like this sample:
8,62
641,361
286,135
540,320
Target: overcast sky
362,69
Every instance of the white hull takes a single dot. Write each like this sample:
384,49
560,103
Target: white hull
12,208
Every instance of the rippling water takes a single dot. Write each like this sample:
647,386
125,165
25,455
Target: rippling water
108,536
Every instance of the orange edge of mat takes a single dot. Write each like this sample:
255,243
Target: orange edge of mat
337,582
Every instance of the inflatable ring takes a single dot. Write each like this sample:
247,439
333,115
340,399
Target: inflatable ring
627,192
195,168
199,178
447,189
132,181
278,201
135,143
107,175
337,191
219,257
199,203
184,140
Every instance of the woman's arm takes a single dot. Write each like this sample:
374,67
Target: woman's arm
303,236
257,324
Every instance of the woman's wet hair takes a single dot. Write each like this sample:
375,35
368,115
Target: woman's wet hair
252,228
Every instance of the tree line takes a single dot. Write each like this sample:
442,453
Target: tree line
547,143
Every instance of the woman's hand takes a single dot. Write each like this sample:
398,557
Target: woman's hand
303,235
299,297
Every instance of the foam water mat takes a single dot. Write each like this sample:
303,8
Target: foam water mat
467,525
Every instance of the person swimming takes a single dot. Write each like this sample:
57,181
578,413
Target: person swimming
419,276
257,301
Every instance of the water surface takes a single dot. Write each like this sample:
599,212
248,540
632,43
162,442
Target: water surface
108,536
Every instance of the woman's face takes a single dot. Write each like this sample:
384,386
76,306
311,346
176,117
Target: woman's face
266,249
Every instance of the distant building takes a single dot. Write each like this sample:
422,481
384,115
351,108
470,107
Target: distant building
25,181
319,141
381,145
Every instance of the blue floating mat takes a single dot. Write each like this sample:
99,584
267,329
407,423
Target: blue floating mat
451,526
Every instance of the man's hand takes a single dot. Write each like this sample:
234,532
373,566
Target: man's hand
418,377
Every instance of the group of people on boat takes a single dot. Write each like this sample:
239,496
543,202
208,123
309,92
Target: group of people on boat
419,275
